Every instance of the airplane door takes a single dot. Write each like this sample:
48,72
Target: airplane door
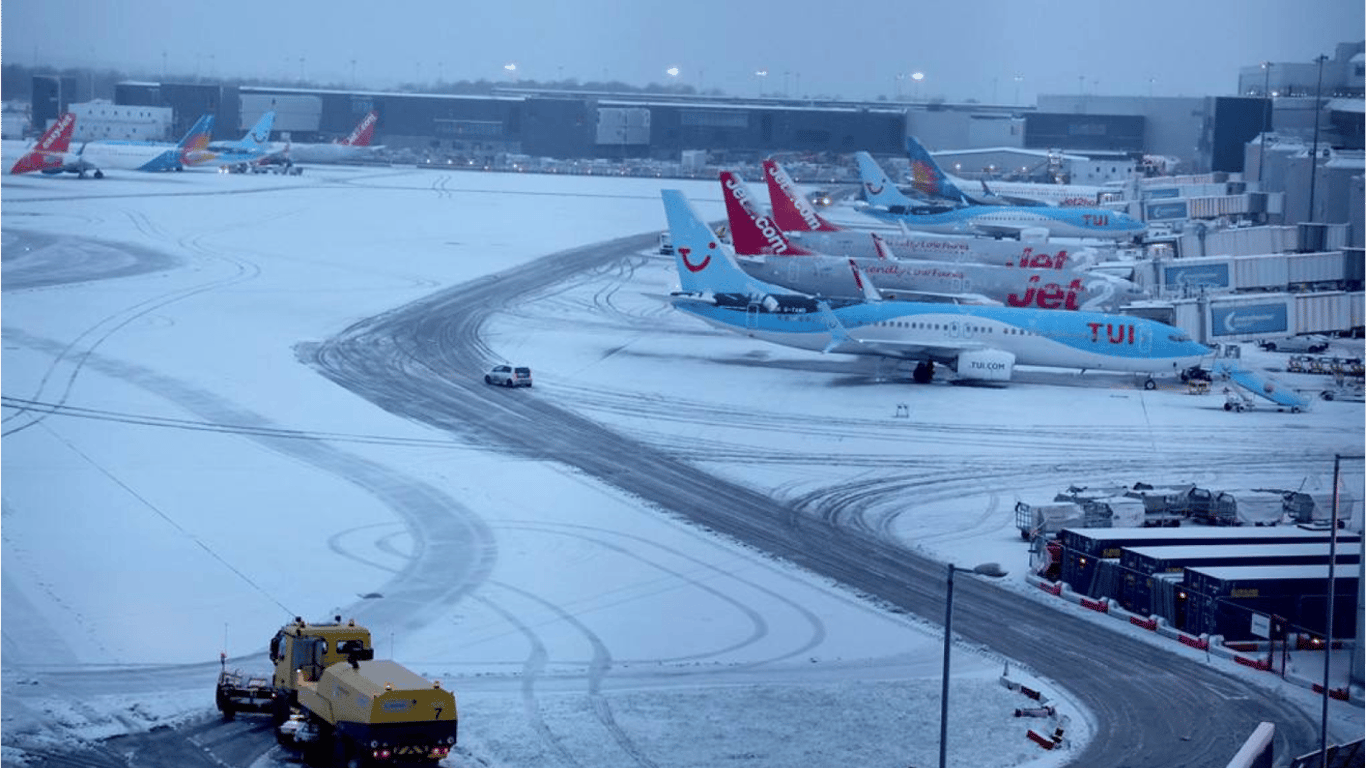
1145,339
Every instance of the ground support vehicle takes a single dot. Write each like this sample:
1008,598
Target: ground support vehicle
508,376
1310,344
242,692
1035,520
331,699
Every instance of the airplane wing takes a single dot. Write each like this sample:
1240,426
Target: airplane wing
975,299
939,353
842,342
995,230
991,197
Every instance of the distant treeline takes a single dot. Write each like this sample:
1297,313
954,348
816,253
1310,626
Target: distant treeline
16,84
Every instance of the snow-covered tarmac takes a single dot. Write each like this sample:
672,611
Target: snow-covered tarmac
152,489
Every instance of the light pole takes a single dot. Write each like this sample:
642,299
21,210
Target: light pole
944,690
1266,122
1018,79
1332,595
916,79
760,75
1314,159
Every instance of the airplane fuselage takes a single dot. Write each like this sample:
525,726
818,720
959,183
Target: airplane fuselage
979,219
126,156
832,277
323,153
1064,195
916,330
919,246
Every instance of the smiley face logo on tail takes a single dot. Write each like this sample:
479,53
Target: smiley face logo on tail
685,252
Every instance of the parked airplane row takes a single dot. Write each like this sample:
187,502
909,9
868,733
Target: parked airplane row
52,153
980,343
887,203
983,271
930,180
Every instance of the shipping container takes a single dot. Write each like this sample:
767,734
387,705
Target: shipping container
1083,550
1108,542
1260,507
1141,565
1221,600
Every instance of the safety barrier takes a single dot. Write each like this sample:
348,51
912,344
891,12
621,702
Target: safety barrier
1213,644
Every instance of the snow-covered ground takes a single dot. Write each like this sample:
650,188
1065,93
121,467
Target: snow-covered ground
145,521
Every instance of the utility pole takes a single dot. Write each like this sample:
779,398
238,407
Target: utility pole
1314,159
944,693
1332,587
1266,122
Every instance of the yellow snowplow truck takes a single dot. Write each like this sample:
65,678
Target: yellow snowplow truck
340,706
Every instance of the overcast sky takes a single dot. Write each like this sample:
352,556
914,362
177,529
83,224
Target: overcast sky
990,50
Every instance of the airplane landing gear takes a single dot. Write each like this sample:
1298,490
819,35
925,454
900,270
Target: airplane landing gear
1148,383
923,373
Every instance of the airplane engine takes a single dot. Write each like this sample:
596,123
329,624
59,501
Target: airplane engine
985,365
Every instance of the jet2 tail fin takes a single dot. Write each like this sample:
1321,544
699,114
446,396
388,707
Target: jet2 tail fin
792,211
752,232
928,178
703,264
877,188
46,154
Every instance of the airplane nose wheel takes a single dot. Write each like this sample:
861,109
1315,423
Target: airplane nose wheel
1149,384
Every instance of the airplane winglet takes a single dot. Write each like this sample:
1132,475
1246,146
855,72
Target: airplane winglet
870,291
839,335
884,252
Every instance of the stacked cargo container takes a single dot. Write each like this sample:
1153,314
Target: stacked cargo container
1141,565
1222,600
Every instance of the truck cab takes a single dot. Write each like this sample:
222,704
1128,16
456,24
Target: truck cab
301,651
